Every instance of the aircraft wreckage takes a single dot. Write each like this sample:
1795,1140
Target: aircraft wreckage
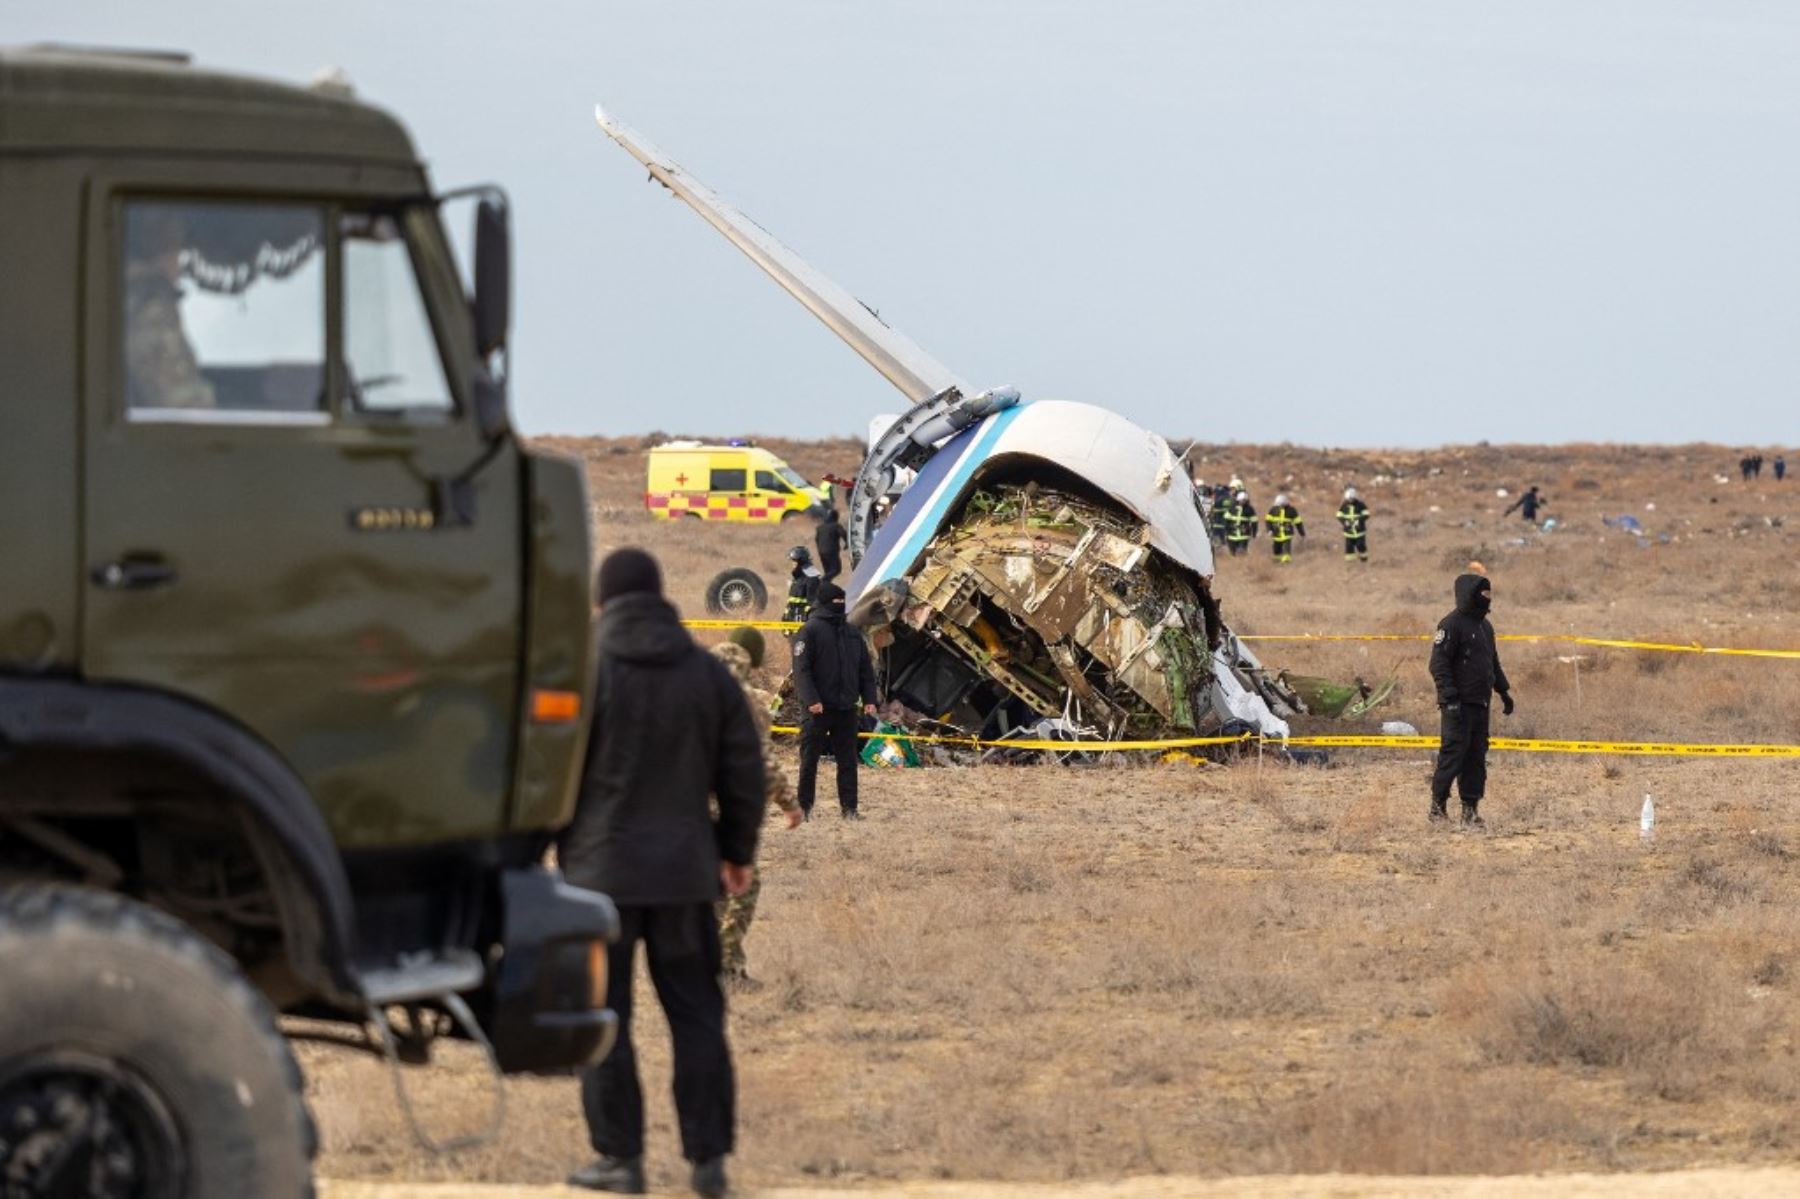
1046,570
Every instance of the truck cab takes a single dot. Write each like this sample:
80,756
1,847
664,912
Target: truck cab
295,633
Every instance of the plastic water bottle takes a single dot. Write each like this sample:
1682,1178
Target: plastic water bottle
1647,820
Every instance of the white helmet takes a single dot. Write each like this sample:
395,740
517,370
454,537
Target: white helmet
1236,483
1281,501
1349,493
1244,496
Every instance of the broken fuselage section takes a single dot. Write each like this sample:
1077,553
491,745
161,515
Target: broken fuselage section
1047,571
1056,605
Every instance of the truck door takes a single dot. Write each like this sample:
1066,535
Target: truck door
268,411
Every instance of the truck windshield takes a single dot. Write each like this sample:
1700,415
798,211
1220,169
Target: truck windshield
793,479
391,356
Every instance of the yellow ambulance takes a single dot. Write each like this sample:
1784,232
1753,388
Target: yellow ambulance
726,482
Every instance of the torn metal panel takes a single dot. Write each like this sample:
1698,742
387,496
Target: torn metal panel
1324,697
1111,623
1038,702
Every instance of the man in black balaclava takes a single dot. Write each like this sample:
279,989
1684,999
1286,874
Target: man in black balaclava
1465,665
836,682
831,537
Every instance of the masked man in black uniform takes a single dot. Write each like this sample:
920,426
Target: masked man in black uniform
832,539
1465,665
836,683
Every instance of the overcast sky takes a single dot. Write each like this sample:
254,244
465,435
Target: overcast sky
1329,222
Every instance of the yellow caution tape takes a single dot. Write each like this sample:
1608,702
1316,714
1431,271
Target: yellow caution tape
1660,749
1082,746
1563,638
1611,643
742,624
1646,749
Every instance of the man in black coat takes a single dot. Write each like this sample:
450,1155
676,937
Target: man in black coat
831,537
836,683
1527,504
1465,665
671,730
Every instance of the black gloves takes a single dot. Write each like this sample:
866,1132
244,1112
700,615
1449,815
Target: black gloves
1506,703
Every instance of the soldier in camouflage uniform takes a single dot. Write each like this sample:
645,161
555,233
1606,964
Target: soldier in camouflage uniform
735,913
161,369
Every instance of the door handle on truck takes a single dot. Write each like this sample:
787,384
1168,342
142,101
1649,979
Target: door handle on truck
135,573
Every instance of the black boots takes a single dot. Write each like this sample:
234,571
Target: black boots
625,1176
618,1175
1471,817
709,1178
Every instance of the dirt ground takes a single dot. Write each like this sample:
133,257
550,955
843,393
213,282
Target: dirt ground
1689,1184
1168,973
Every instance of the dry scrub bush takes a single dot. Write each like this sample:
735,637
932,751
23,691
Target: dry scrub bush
1669,984
1206,953
1665,1023
1434,1121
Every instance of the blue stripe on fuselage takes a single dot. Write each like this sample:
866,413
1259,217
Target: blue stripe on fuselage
936,501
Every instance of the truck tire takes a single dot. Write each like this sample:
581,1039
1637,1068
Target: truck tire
135,1059
737,592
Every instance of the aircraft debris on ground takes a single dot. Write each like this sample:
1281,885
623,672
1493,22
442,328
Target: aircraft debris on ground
1036,570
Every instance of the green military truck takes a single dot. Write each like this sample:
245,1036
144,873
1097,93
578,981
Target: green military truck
294,632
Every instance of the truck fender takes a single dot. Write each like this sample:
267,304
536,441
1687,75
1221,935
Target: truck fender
305,869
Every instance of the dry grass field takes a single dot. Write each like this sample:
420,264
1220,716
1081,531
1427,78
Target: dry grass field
1045,974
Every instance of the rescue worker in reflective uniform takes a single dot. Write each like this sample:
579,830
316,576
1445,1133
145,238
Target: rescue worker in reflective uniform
1465,666
835,679
1353,516
1284,521
803,585
737,911
1218,508
161,369
1240,523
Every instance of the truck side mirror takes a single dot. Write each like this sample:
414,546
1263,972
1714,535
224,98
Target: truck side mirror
493,277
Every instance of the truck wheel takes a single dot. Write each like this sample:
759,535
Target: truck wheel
737,592
136,1061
